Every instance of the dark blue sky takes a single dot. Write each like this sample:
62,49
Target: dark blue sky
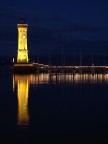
52,24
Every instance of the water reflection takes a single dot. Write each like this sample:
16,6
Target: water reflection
23,83
60,78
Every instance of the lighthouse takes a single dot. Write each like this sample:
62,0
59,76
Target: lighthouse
22,53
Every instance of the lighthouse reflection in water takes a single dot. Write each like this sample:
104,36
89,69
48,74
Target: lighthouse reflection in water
62,103
22,82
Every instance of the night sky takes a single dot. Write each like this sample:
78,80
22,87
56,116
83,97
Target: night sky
70,24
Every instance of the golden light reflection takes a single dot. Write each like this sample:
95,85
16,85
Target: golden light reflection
22,82
37,79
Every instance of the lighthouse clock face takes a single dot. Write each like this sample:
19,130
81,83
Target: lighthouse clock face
24,36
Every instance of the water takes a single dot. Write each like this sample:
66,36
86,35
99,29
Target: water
47,105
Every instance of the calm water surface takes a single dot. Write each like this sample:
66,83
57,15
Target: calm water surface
44,104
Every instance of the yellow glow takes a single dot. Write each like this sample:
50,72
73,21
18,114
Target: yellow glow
23,82
22,95
77,78
22,56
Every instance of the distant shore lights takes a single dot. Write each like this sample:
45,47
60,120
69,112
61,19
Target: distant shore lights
22,53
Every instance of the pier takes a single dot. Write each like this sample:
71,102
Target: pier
41,68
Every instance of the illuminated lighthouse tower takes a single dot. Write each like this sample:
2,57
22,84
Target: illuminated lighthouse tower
22,54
